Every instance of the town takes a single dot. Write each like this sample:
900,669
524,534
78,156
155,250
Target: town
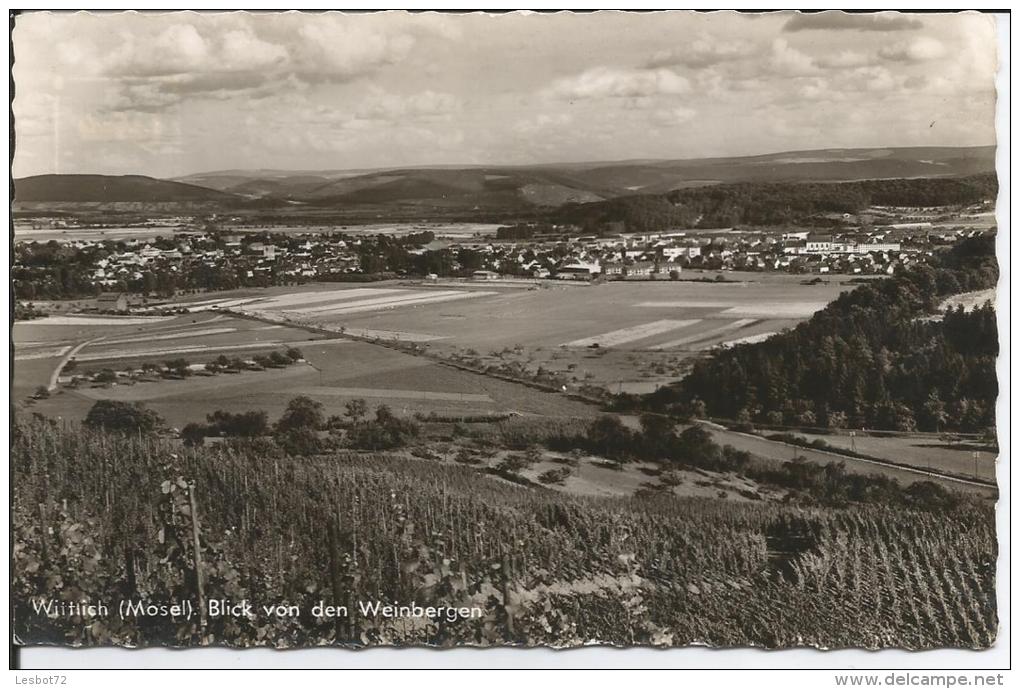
204,254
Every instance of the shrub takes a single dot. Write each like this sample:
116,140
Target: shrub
299,441
514,463
194,434
112,415
105,376
385,432
246,424
302,413
555,476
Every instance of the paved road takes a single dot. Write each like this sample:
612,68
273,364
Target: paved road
779,451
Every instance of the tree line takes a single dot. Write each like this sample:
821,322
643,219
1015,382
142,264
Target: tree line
873,358
727,205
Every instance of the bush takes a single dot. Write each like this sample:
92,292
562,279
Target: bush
513,464
178,367
105,376
385,432
555,476
356,409
302,413
245,424
299,441
194,434
112,415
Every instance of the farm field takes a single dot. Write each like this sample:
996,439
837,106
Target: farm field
112,341
336,371
646,333
969,300
781,452
922,452
585,332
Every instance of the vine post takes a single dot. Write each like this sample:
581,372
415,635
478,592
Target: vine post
198,557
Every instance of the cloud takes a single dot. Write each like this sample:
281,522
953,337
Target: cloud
844,21
335,51
381,105
377,110
672,117
703,53
787,61
610,82
843,59
155,61
917,50
542,122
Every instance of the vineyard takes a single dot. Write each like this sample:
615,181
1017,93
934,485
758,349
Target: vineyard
99,517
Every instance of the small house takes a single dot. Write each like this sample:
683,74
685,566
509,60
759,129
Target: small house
112,301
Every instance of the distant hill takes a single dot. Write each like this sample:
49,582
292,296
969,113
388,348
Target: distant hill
500,191
553,185
774,203
829,165
112,189
487,188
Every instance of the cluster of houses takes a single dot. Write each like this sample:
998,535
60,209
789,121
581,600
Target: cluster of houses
307,259
876,251
180,261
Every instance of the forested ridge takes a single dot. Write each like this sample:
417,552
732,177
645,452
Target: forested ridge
872,358
726,205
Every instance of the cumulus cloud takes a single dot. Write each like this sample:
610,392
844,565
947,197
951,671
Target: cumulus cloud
918,50
176,92
156,62
610,82
789,61
836,20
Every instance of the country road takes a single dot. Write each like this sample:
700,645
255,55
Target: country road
52,385
779,451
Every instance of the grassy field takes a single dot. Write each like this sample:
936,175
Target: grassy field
646,331
891,451
554,326
922,452
335,372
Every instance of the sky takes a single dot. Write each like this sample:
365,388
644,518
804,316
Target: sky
181,92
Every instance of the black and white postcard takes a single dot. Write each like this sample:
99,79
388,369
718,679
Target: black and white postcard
526,329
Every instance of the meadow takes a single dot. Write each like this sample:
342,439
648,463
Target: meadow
335,370
926,452
553,326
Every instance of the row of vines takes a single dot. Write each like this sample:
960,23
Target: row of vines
99,517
